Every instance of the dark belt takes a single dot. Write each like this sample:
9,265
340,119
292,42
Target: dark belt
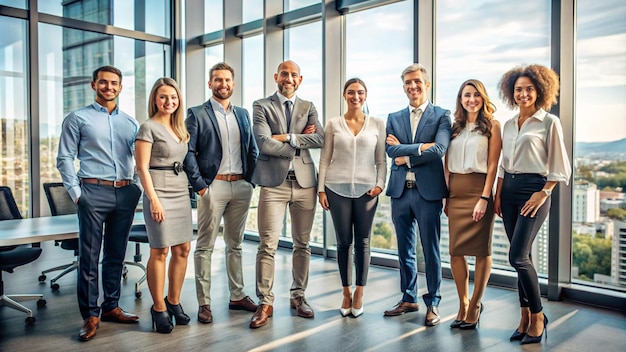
229,177
177,167
291,176
410,184
115,184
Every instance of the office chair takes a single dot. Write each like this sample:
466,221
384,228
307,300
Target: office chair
14,256
138,235
60,203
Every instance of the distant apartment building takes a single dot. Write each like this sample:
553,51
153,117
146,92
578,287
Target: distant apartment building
618,253
610,199
585,203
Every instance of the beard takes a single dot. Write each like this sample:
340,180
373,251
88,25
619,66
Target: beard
106,98
218,94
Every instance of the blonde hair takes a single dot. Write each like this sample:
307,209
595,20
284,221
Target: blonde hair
177,119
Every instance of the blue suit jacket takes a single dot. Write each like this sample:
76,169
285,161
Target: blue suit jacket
434,126
205,145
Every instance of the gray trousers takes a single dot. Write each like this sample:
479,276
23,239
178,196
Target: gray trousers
230,200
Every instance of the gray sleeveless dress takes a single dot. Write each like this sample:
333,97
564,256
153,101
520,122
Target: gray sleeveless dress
170,188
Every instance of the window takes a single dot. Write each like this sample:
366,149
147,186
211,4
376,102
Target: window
291,5
599,180
213,15
467,46
14,119
213,55
378,61
252,10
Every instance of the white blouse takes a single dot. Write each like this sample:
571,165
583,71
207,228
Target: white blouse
352,165
468,152
537,147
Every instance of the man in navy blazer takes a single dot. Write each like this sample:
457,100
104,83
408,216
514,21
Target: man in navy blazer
417,139
220,162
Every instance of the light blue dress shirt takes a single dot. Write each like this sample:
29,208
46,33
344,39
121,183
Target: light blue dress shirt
103,143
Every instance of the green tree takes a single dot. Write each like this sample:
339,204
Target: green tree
616,213
591,255
383,229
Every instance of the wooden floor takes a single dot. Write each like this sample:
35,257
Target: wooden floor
572,327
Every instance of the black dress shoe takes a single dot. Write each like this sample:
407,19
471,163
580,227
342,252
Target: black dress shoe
456,324
517,336
161,321
537,339
176,310
472,326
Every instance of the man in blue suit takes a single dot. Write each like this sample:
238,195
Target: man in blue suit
220,162
417,139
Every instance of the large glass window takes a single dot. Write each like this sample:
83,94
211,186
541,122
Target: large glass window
67,59
251,79
598,202
252,10
148,16
14,3
291,5
14,131
213,55
468,46
213,15
303,44
378,61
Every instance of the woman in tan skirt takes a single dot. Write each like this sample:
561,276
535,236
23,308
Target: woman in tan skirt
471,166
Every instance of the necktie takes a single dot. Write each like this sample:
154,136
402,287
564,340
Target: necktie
288,113
415,120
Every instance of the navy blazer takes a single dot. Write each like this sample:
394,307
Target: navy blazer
205,145
434,126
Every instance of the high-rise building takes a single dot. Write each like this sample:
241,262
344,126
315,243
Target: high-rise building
585,203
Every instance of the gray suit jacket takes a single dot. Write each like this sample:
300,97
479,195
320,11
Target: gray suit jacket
274,156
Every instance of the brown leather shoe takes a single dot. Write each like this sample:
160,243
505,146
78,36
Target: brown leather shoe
432,316
88,330
118,315
401,308
204,314
243,304
302,307
260,317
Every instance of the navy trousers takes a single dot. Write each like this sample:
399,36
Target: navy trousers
521,231
105,215
409,212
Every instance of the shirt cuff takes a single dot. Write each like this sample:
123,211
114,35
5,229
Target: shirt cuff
292,140
419,149
407,160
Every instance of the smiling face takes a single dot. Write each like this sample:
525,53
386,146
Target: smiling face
166,100
107,86
288,78
416,87
355,95
471,100
525,93
222,84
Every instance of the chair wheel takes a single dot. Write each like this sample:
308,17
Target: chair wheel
41,303
30,321
54,287
42,278
138,294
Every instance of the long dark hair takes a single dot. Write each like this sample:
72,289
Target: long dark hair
485,115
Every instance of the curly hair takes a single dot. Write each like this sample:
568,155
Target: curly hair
485,115
545,80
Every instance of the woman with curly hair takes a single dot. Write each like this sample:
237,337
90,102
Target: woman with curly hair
471,166
534,160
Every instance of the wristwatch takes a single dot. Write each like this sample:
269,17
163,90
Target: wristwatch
548,192
288,137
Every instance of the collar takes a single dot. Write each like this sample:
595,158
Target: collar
283,99
219,108
101,108
539,115
421,107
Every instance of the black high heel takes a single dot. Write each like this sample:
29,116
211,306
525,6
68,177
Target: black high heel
471,326
517,336
456,324
161,321
176,310
537,339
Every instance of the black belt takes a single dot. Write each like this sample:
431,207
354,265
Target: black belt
410,184
177,167
291,176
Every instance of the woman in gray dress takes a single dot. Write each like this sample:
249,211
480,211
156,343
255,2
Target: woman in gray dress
160,149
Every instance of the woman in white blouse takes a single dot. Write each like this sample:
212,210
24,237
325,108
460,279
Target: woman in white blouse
352,174
534,160
471,166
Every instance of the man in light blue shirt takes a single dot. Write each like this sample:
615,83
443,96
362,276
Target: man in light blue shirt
106,190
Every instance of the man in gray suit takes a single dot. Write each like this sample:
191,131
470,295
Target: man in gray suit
285,128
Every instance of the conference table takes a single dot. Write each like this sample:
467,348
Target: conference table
50,228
